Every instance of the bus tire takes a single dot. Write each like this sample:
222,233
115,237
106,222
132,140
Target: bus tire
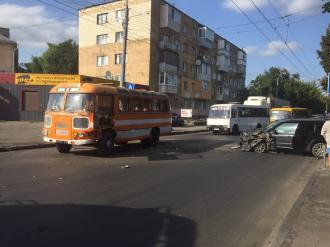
259,126
63,148
106,144
153,140
235,130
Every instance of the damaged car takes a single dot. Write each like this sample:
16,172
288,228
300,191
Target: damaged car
298,135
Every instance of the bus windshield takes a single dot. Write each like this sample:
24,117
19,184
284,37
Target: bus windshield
55,102
79,102
277,115
219,112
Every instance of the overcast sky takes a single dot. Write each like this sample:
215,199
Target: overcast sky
299,23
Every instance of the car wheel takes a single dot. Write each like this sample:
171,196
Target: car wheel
106,144
318,149
63,148
260,147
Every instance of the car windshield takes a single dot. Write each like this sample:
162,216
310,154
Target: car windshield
277,115
55,102
219,113
271,126
79,102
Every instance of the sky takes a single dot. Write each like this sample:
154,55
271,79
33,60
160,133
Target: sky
285,33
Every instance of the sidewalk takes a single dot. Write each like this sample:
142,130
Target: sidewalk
310,225
28,135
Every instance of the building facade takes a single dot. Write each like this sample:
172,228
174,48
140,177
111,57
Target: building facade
8,52
167,50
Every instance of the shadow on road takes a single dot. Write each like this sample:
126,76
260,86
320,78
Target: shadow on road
84,225
166,150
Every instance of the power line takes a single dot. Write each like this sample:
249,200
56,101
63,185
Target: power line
272,19
280,36
264,34
291,33
60,19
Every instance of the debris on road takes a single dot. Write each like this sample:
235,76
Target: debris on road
125,167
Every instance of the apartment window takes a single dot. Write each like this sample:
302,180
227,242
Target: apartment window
184,29
194,33
102,39
185,85
205,86
102,60
30,101
193,49
102,18
119,58
164,38
119,37
120,14
184,67
185,47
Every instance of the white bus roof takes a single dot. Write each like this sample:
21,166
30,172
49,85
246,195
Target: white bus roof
241,105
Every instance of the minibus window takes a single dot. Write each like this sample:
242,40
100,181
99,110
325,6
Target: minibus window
136,104
55,102
79,102
147,105
123,104
156,105
164,106
105,104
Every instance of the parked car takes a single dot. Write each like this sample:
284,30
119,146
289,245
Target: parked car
177,120
301,135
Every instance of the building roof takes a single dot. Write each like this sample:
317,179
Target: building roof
4,39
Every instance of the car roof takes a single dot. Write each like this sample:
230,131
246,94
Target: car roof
302,120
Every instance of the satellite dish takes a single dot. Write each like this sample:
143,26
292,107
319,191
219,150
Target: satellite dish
198,62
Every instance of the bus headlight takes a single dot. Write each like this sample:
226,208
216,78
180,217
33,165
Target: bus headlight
48,121
45,132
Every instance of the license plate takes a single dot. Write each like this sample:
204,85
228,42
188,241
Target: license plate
216,128
62,132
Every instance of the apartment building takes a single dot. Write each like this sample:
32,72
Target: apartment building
167,50
8,52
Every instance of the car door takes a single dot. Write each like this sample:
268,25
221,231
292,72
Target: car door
283,135
303,135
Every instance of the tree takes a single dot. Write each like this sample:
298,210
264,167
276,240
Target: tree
326,7
290,87
59,58
324,52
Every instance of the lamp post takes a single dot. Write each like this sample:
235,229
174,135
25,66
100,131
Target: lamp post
14,52
277,81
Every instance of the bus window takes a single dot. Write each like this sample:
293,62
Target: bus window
164,106
79,102
105,104
233,113
155,105
136,104
123,104
147,105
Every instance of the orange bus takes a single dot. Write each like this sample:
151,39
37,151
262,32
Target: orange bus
103,115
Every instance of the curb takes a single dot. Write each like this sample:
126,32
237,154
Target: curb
48,145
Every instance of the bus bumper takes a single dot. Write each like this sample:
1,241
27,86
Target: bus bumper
219,128
71,142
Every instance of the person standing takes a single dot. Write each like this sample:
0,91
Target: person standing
325,132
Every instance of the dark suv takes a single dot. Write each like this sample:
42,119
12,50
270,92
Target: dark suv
302,135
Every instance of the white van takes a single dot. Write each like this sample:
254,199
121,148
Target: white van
235,118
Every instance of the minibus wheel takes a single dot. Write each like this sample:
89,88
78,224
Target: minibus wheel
106,144
63,147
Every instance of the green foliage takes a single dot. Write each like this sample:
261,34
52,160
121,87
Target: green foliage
59,58
324,52
326,6
290,87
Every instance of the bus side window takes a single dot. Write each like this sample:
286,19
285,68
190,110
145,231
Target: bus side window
105,104
164,106
155,105
147,105
233,113
136,104
123,104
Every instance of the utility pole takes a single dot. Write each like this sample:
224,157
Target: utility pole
123,58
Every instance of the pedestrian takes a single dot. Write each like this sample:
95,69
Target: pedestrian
325,132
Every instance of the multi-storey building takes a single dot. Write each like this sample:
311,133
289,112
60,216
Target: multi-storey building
167,50
8,52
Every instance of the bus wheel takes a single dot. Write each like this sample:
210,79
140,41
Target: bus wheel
153,140
106,144
259,126
235,130
215,132
63,148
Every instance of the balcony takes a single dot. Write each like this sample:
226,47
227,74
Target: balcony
204,77
223,67
168,45
206,37
168,67
219,97
170,89
241,69
205,43
170,18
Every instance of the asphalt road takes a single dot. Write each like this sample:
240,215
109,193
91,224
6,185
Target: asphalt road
191,190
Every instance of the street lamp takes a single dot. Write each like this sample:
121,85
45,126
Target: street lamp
14,53
277,81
